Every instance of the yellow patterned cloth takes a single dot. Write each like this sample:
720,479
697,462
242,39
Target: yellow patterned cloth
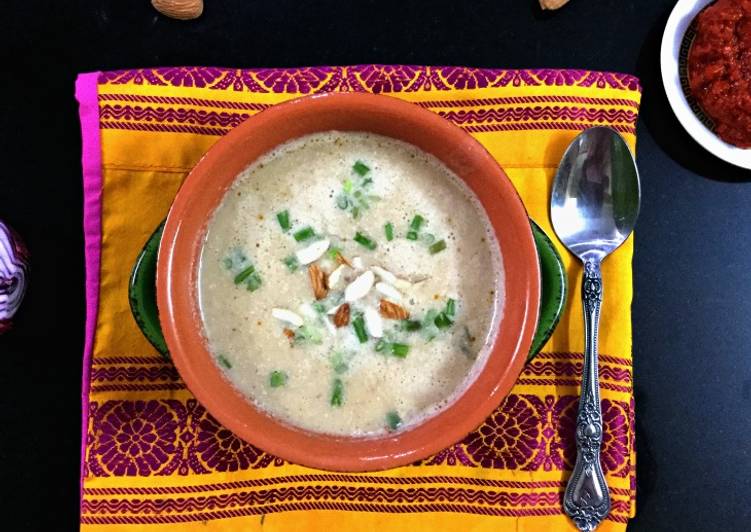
154,459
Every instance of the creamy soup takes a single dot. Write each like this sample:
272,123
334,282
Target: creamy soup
349,284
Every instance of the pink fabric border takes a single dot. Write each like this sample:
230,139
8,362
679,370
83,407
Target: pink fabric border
91,161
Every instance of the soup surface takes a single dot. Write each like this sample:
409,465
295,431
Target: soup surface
350,284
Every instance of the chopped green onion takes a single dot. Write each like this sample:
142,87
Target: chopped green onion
365,241
283,219
380,345
319,308
399,350
443,321
337,392
360,168
411,235
291,263
223,361
367,181
227,262
437,247
240,277
304,234
393,420
254,282
347,186
277,378
428,238
450,307
356,213
412,325
389,230
333,252
416,222
342,202
358,324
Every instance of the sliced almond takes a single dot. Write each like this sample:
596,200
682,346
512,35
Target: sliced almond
341,259
359,287
389,291
384,275
336,276
313,252
402,285
318,280
287,316
392,311
307,310
341,318
358,264
373,322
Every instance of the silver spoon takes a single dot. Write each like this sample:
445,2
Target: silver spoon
594,206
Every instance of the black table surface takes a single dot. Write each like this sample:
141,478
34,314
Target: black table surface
693,245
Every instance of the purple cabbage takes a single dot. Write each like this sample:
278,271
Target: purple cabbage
14,270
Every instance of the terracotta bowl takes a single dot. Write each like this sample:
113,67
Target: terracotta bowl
203,190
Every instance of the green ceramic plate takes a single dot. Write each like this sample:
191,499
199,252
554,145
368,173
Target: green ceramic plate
142,291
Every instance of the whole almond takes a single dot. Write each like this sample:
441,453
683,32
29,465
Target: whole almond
392,311
318,280
552,4
341,318
179,9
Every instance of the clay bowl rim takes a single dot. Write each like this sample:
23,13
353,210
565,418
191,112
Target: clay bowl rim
206,185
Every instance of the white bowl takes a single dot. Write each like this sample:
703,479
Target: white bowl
680,19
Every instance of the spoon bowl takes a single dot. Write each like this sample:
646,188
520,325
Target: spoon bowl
596,194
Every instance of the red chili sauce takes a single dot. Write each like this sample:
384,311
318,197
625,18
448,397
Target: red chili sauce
719,68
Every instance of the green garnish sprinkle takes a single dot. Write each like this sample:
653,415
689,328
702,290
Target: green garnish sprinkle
254,282
223,361
250,277
304,234
360,168
445,317
319,308
348,186
380,345
337,392
365,241
247,272
416,222
227,262
358,324
277,379
399,350
442,321
393,421
283,219
411,235
389,230
437,247
291,263
333,252
412,325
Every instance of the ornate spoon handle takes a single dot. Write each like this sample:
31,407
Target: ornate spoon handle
587,500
